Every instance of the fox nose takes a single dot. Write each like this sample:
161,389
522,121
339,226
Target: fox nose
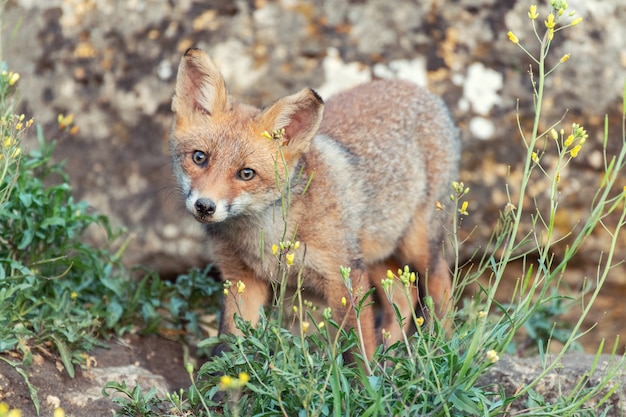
205,207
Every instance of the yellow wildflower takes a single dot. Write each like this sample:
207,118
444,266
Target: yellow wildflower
305,326
554,134
574,152
492,356
565,58
13,78
576,21
569,140
534,157
463,209
241,287
274,249
550,23
533,12
290,257
226,382
244,378
512,37
58,412
419,321
343,301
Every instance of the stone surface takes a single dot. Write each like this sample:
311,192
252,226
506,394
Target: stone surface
112,64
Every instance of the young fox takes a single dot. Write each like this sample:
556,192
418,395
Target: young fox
364,174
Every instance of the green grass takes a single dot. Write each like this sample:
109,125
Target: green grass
56,290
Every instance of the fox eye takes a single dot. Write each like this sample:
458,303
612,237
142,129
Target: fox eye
246,174
199,158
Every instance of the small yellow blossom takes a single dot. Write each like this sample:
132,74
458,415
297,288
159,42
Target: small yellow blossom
492,356
305,326
295,309
296,245
512,37
482,314
386,283
226,291
389,274
419,321
574,152
534,157
58,412
4,408
321,325
412,278
13,78
290,257
532,14
550,23
554,134
386,334
343,301
266,135
241,287
569,140
576,21
244,378
463,209
564,58
274,249
439,206
65,121
73,295
225,382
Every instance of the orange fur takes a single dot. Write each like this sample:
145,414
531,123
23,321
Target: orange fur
380,155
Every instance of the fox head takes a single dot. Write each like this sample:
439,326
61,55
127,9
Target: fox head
224,161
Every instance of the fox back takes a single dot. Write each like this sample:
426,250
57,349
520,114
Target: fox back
361,176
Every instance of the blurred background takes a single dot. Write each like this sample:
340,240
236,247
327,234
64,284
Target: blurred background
112,65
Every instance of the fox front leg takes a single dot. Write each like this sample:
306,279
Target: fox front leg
245,296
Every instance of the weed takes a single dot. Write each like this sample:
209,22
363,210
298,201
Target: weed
59,294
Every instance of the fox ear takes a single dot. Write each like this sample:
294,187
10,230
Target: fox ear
199,85
300,115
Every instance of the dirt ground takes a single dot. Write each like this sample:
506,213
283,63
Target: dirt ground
151,360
